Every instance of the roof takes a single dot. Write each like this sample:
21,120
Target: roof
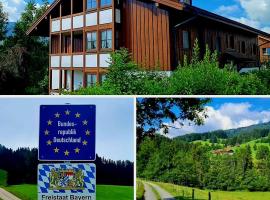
171,4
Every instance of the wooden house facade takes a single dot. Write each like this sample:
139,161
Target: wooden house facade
264,46
158,33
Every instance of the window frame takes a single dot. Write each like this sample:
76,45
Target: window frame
186,33
92,84
106,39
87,42
92,8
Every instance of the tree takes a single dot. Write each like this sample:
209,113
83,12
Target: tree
262,152
3,22
153,112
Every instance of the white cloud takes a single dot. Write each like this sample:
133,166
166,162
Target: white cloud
256,9
227,10
227,116
14,8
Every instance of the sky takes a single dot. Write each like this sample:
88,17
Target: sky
228,113
254,13
19,123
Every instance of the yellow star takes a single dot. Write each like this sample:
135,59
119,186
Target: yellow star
87,132
66,153
49,142
57,115
46,132
85,122
67,112
49,122
77,115
56,150
77,150
84,142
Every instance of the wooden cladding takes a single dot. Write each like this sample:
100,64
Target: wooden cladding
146,34
55,44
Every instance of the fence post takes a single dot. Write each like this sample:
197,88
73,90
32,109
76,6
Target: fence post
209,196
193,191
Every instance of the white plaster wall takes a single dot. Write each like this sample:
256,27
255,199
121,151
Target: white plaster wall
117,16
91,19
66,23
105,16
78,61
104,59
55,79
91,60
78,79
78,21
55,25
55,61
66,61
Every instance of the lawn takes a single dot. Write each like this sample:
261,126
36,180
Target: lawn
104,192
180,191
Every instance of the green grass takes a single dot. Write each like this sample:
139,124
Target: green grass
104,192
180,191
3,177
139,190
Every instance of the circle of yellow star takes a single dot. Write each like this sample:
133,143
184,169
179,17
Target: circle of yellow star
87,132
56,150
77,115
57,115
77,150
66,153
85,142
49,122
67,112
49,142
85,122
46,132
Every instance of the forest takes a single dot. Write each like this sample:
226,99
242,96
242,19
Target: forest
231,160
22,163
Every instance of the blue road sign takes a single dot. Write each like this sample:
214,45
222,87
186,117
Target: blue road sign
67,181
67,132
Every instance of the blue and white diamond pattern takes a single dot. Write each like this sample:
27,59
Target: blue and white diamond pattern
89,171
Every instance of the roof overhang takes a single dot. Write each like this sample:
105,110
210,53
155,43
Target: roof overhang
43,21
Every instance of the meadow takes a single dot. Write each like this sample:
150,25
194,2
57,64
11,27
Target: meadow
182,193
104,192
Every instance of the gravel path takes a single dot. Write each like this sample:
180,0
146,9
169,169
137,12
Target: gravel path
163,193
5,195
148,194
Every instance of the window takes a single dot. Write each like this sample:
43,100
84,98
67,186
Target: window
266,51
91,80
185,40
105,3
254,49
106,39
231,42
243,47
102,78
218,44
91,4
91,40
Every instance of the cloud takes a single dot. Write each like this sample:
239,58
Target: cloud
227,116
227,10
14,8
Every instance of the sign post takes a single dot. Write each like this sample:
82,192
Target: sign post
67,133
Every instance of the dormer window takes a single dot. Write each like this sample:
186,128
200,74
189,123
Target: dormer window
189,2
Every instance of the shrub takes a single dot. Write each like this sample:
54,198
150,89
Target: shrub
200,77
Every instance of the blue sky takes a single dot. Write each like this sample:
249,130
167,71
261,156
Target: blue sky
19,123
254,13
228,113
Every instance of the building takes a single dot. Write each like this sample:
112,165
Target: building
157,32
264,46
226,151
